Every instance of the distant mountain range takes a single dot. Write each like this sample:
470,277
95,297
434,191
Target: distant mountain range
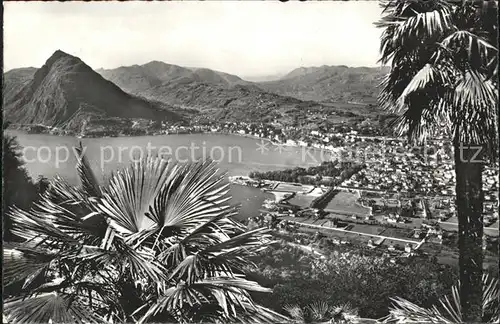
137,79
330,84
322,84
66,91
263,78
216,95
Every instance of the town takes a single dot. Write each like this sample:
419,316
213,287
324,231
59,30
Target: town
396,224
400,201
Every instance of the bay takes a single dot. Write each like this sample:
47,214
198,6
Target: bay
51,155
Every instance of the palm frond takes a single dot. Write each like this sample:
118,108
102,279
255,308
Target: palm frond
164,230
24,262
491,298
475,117
213,231
404,311
473,90
34,228
443,58
224,256
449,308
174,298
151,195
295,312
49,308
132,193
232,282
255,238
88,179
140,263
430,24
469,48
320,311
227,293
260,314
198,194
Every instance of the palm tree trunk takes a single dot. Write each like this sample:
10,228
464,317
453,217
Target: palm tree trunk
469,193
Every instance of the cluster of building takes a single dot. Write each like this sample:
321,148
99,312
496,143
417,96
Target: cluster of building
321,138
393,165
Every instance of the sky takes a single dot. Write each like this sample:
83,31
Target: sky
246,38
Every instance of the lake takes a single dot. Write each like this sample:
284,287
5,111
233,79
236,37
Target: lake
51,155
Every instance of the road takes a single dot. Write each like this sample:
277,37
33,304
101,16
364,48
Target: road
343,213
357,233
491,230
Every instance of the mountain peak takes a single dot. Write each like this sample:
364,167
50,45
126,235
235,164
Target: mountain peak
155,62
62,60
58,55
59,52
65,91
158,64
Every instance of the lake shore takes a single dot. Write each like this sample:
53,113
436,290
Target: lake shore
278,144
41,159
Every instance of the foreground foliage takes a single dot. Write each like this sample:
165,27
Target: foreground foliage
444,75
19,189
321,312
448,310
366,282
158,243
352,288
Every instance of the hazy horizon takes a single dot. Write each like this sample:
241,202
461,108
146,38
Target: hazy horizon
248,39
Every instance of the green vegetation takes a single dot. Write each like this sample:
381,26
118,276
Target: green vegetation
19,189
319,312
448,310
322,201
330,84
347,202
366,282
328,173
444,72
158,243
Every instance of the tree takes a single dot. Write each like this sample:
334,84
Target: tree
42,184
18,187
367,282
158,242
448,310
321,312
443,58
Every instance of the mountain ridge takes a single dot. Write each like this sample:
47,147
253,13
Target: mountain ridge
323,84
137,78
330,84
194,92
65,92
